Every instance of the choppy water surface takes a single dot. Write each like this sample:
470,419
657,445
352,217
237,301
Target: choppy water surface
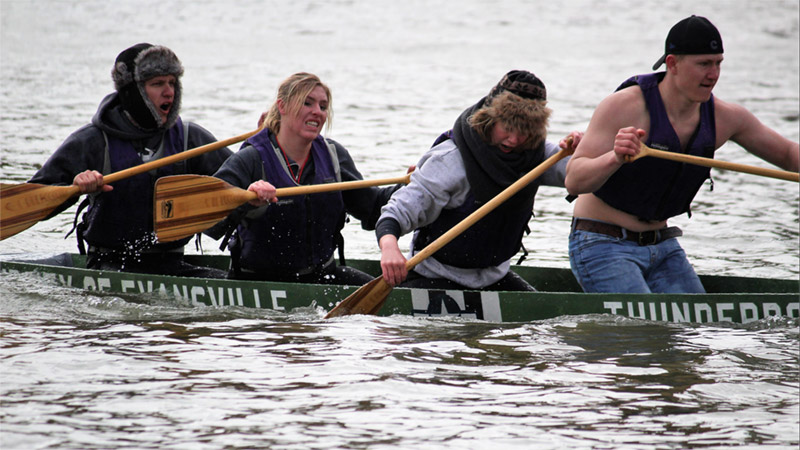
87,370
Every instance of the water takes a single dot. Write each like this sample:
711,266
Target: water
91,370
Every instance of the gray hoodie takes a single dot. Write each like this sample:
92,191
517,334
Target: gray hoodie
440,182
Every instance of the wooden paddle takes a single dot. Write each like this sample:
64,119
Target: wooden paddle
22,205
708,162
190,204
369,298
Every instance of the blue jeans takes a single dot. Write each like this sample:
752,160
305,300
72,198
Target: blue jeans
603,263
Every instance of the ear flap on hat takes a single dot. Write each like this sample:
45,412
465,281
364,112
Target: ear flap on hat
131,99
123,72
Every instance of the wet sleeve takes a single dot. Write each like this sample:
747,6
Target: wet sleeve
387,225
242,168
82,150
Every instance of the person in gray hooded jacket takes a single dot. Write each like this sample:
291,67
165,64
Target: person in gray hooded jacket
137,123
491,145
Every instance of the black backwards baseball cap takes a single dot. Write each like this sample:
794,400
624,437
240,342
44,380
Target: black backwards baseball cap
693,35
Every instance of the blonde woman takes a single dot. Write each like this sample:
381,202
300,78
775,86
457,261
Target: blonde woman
294,238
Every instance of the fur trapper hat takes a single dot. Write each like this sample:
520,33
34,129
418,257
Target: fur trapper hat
519,102
522,83
132,68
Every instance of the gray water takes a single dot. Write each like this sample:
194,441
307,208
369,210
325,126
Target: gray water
91,370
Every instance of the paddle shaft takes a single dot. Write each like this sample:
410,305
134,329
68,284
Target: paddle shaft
329,187
478,214
172,159
341,186
708,162
161,162
189,204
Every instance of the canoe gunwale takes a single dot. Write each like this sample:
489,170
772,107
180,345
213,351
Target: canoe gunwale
772,296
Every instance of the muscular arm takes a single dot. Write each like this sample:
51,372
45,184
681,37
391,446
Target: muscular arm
736,123
611,134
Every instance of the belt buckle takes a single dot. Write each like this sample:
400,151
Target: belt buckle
642,241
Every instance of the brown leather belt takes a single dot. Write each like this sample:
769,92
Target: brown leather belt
640,237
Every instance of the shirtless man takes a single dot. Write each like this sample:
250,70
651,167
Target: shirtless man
620,241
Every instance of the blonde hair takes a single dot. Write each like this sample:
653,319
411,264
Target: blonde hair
524,116
293,92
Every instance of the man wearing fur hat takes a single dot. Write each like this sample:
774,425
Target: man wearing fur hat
492,144
620,241
137,123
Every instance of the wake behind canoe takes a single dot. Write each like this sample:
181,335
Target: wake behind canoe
729,299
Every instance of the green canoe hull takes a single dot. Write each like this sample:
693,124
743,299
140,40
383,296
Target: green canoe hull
729,299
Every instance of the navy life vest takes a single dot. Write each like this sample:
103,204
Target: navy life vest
489,242
122,219
654,189
299,232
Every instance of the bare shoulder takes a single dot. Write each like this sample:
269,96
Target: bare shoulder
732,120
728,111
736,123
624,108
